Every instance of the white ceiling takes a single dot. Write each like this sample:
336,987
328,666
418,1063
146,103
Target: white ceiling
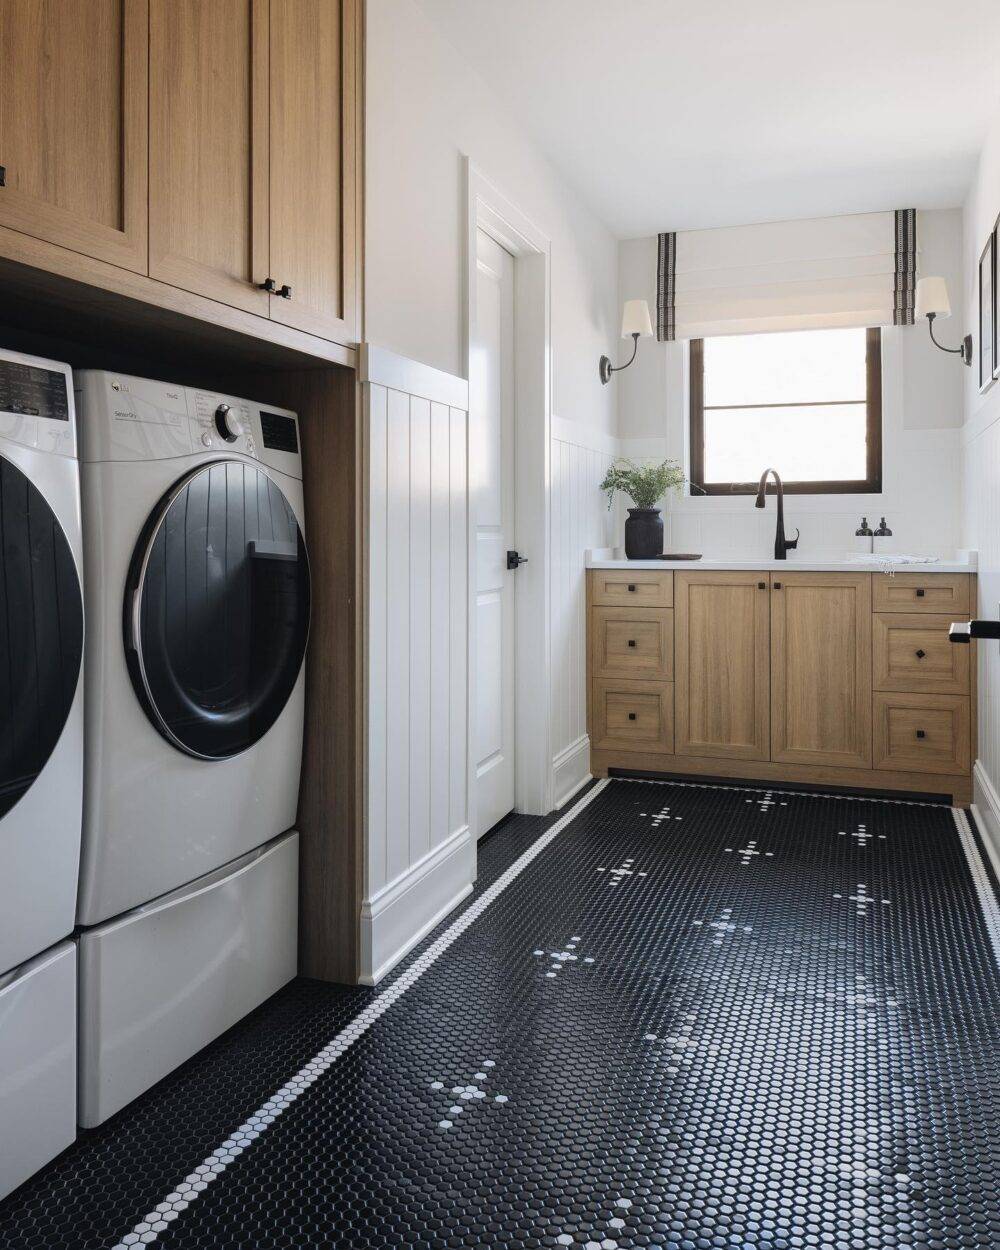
668,114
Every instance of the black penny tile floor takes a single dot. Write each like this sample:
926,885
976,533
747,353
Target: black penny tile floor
693,1017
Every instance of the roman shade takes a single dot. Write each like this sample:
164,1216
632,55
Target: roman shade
858,270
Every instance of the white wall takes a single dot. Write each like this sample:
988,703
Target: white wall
427,112
420,858
922,415
981,438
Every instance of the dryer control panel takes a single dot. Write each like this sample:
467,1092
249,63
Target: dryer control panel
129,418
36,403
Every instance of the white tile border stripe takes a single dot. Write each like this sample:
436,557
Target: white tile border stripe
980,879
148,1229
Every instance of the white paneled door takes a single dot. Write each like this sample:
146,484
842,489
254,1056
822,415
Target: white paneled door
491,403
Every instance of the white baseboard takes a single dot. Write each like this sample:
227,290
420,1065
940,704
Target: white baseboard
986,809
570,771
402,913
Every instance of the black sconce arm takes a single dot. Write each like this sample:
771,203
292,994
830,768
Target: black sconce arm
607,368
965,351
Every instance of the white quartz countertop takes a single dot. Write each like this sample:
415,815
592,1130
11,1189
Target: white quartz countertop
597,560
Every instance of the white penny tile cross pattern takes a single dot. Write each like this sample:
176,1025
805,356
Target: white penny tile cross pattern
558,960
626,869
464,1097
749,852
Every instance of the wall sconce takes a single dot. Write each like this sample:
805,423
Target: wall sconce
635,322
932,301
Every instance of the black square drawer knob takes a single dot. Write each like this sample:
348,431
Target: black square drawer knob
921,653
921,593
921,734
762,585
631,715
631,588
631,642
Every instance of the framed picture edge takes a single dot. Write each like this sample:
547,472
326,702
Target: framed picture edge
991,248
996,303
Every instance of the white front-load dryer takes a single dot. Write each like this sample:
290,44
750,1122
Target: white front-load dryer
41,653
198,605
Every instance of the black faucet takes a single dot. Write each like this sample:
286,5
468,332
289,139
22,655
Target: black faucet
781,543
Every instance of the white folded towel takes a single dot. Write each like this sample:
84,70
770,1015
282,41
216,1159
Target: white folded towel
887,558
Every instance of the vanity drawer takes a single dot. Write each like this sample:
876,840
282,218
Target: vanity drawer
921,732
640,587
911,651
922,592
633,715
632,642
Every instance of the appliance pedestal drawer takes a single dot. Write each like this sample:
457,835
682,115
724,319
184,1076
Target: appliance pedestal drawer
922,732
164,980
37,1063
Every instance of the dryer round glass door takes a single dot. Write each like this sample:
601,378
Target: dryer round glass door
217,610
41,633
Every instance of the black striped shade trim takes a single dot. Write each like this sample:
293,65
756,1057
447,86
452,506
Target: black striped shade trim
905,285
665,270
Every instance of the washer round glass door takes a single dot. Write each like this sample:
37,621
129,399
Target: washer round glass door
217,610
41,633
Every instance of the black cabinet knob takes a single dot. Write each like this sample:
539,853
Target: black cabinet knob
631,588
269,285
762,585
631,642
777,585
920,593
921,653
631,715
921,734
285,291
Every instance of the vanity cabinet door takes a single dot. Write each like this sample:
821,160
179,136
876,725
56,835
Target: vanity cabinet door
721,623
73,125
821,669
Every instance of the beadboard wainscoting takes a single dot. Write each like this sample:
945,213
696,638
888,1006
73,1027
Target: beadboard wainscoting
420,856
579,520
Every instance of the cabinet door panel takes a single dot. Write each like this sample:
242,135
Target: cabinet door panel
721,670
313,164
73,125
208,193
821,669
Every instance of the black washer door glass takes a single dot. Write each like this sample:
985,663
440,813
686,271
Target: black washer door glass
217,610
41,633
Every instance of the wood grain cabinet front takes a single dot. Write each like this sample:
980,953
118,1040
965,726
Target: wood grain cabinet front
638,589
633,716
922,592
73,125
821,669
911,652
633,642
922,733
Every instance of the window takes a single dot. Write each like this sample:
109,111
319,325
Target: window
807,403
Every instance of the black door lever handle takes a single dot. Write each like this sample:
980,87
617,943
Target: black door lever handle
965,631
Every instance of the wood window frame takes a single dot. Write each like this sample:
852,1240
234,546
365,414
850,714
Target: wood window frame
870,485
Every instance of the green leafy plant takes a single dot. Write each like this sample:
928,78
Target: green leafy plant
644,484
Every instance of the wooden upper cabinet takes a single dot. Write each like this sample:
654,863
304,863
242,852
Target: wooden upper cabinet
821,669
721,671
208,148
73,125
314,164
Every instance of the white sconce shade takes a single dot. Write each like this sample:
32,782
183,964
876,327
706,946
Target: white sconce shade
932,297
635,319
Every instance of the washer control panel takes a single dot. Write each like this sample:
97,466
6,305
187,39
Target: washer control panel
36,403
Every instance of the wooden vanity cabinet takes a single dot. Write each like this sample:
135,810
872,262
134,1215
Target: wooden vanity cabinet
798,676
721,681
821,669
73,125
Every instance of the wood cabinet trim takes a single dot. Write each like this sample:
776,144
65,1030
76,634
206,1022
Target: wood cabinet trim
921,592
611,587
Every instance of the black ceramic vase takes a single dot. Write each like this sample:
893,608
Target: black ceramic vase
643,534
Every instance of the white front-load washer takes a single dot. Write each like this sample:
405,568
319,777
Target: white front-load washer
41,760
198,602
